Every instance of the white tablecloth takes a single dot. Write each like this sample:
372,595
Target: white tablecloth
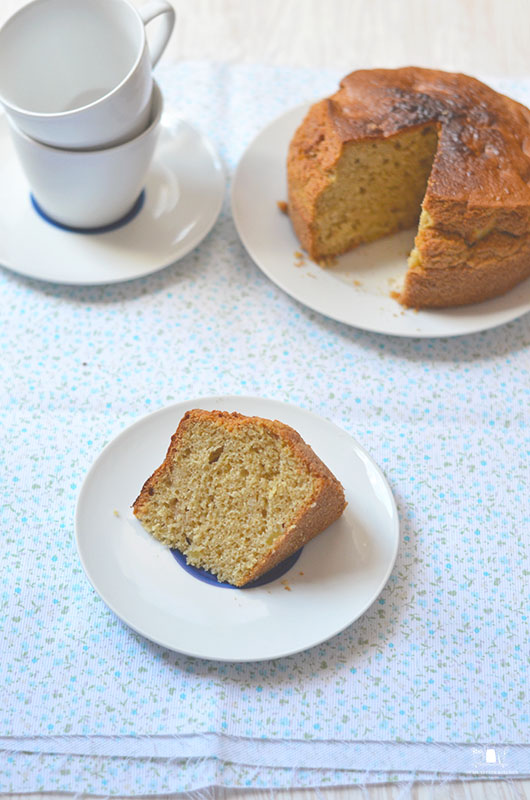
431,682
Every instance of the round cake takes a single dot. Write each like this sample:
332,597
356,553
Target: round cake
393,143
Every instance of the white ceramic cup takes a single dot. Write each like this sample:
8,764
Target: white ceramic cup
86,189
78,73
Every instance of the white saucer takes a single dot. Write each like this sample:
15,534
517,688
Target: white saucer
336,578
357,289
183,196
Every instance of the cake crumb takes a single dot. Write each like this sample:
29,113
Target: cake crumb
357,283
282,205
116,513
287,588
300,259
300,573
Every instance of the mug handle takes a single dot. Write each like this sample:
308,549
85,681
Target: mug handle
154,9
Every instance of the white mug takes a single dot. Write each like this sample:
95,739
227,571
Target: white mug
86,189
78,73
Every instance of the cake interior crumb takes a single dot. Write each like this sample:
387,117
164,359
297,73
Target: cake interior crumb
228,497
378,188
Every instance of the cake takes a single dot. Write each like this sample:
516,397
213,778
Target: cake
393,142
237,495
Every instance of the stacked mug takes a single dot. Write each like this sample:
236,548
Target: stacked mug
83,109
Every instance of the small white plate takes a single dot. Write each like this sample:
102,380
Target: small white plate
336,578
357,289
183,196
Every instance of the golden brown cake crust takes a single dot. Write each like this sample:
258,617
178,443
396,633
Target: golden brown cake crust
324,507
479,183
490,268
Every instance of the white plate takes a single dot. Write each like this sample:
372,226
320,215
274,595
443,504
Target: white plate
357,289
183,196
336,578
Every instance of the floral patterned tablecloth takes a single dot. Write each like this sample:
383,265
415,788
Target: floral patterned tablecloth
431,681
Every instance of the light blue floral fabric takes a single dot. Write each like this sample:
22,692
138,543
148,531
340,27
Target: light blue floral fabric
442,656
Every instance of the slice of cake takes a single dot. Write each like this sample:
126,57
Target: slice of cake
237,495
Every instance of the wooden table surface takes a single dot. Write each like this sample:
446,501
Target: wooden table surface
484,37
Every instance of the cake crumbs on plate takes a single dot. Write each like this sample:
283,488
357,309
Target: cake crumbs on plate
300,259
282,205
116,512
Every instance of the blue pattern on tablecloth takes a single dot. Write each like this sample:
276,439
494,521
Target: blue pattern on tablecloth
441,656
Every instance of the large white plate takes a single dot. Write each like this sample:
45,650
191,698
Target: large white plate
357,289
183,196
336,578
